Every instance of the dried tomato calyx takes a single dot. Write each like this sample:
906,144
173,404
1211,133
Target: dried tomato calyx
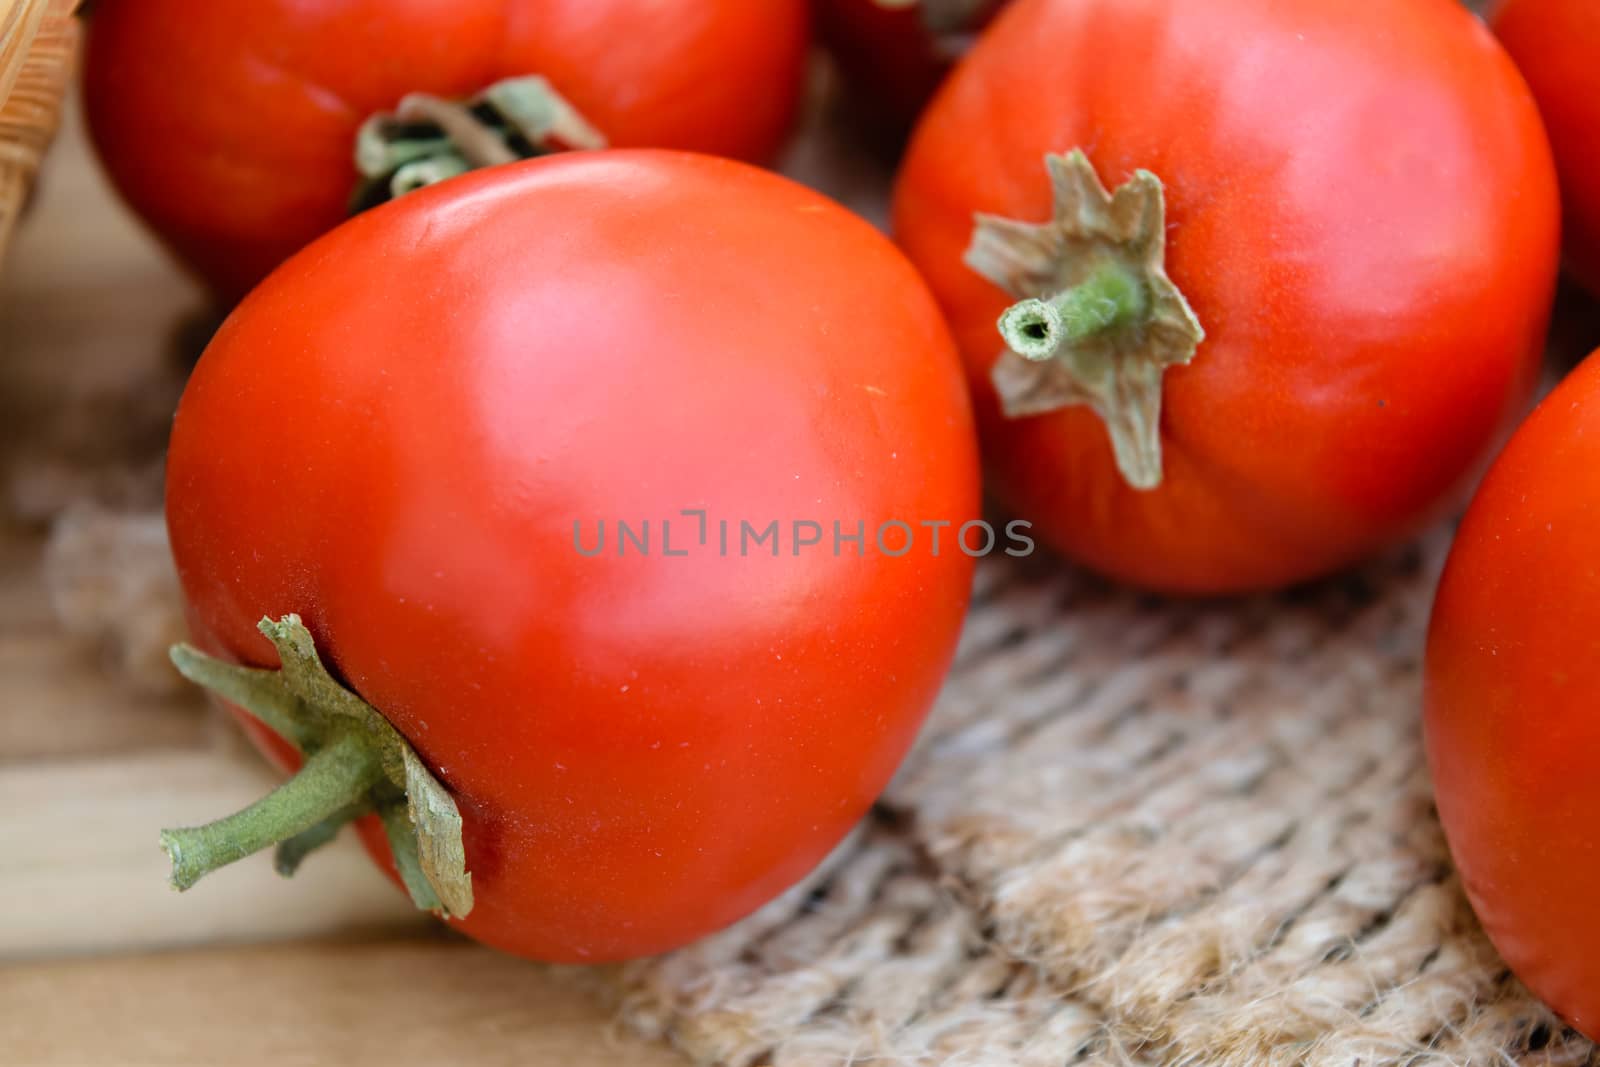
1099,321
356,763
427,139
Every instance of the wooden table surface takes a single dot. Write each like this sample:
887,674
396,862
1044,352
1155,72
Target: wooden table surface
100,962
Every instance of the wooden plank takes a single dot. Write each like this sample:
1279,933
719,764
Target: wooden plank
60,705
60,702
24,606
390,1004
89,770
82,870
94,321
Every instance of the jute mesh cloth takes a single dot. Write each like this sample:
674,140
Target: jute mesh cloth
1136,832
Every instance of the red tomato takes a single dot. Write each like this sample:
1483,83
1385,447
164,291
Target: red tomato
230,125
1360,213
1557,45
1513,727
896,53
396,434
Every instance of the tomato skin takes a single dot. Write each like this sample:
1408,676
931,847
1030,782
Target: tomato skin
1557,45
1363,213
1513,730
395,434
248,154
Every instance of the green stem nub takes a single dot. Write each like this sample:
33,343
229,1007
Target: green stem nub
355,763
290,853
1098,322
331,779
1038,329
426,139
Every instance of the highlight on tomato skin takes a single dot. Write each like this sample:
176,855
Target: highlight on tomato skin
1512,669
386,475
1556,44
1320,266
231,126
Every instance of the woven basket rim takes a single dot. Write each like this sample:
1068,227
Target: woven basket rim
37,46
19,25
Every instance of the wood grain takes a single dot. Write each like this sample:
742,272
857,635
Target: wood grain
84,873
59,703
386,1003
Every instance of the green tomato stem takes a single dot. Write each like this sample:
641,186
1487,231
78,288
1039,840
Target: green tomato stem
475,141
259,691
331,779
421,173
407,858
356,762
1099,321
288,856
427,139
1113,296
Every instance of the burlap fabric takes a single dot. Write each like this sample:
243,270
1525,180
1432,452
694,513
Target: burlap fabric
1136,832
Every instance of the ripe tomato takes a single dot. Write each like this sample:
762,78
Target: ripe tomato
230,126
1352,204
896,52
1513,728
1557,45
410,434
